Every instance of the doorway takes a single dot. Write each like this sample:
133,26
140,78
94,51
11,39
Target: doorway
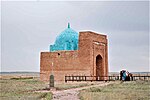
98,67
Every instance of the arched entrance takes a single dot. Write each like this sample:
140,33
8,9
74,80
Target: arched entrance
98,66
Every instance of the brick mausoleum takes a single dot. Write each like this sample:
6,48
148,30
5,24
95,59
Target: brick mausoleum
83,53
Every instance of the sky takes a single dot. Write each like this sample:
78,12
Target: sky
29,27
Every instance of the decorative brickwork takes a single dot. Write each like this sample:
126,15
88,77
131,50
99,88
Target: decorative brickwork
90,59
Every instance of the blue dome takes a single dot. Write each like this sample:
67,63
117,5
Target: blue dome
67,40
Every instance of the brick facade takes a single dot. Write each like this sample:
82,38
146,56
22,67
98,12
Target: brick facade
90,59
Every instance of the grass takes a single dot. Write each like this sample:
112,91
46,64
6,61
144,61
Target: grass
137,90
46,96
22,89
64,86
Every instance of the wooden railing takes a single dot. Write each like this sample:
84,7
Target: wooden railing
141,78
102,78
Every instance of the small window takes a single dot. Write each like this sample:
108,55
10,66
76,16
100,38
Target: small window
58,54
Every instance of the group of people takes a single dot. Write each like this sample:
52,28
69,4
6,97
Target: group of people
125,75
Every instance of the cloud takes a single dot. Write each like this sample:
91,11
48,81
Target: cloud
30,27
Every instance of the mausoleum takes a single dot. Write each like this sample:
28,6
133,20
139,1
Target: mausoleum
84,53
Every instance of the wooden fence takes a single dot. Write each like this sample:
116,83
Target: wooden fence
102,78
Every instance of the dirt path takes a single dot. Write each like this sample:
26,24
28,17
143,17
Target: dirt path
72,94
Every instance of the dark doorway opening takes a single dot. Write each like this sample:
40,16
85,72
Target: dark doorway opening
98,67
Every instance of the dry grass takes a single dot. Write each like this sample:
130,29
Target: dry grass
64,86
137,90
22,89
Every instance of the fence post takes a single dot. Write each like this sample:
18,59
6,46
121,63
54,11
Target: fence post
118,77
79,78
65,79
72,78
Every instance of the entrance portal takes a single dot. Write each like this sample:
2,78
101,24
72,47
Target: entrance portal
98,67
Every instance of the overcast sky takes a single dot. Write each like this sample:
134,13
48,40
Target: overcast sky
27,28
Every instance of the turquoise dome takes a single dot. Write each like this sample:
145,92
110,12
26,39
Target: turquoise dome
67,40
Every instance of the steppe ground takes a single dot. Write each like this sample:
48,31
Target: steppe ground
26,87
132,90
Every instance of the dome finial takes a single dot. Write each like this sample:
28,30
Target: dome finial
68,25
